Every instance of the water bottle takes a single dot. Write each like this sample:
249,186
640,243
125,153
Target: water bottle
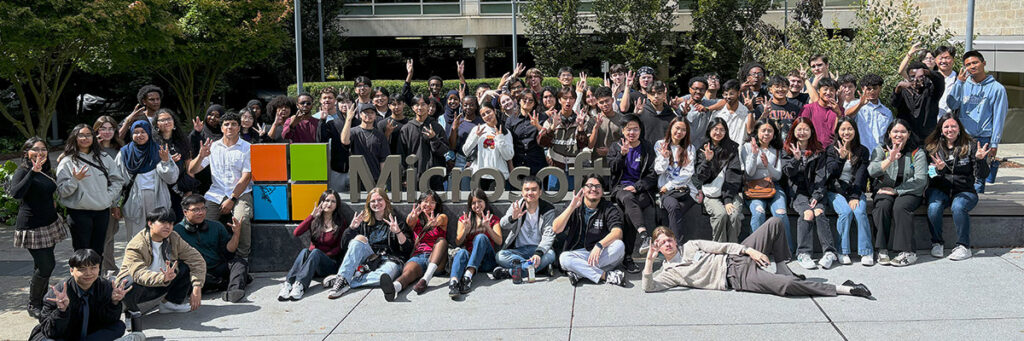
517,272
533,273
932,171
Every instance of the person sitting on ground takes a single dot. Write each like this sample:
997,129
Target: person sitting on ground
83,307
212,240
634,183
593,230
381,245
321,257
705,264
479,235
430,226
158,262
530,236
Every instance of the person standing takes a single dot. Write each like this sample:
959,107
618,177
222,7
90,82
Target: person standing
983,104
302,127
917,100
424,138
149,97
872,117
149,169
87,185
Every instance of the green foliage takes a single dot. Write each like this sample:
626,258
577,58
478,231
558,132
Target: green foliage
42,43
10,145
420,87
555,31
635,32
8,205
885,31
719,28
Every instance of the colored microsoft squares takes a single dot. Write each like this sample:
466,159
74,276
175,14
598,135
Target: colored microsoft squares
270,202
269,162
308,161
304,198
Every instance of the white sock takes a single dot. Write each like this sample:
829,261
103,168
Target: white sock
453,280
468,274
429,273
843,290
398,286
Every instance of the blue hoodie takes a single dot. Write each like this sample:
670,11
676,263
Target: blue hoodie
982,107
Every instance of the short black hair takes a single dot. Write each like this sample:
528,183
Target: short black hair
600,179
304,94
483,85
565,69
697,79
192,199
831,83
362,79
161,214
847,78
916,65
618,68
745,71
437,78
659,86
146,89
732,84
279,102
944,49
531,178
603,92
816,56
973,53
84,258
231,116
631,118
778,80
871,80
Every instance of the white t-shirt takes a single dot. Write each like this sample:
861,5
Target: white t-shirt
943,107
226,166
158,257
737,122
530,233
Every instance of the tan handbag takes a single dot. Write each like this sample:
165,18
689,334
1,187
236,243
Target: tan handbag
759,189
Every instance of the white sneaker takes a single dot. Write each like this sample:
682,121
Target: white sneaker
883,257
168,307
805,261
329,281
826,260
867,260
297,292
960,252
845,260
904,259
286,289
936,250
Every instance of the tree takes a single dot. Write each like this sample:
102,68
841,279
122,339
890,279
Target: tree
884,32
42,43
555,28
635,32
719,28
212,37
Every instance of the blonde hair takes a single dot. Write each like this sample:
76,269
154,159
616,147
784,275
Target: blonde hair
661,230
368,215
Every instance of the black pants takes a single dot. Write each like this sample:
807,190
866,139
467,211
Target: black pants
804,237
230,275
743,274
43,263
88,229
894,221
677,205
111,332
176,291
633,206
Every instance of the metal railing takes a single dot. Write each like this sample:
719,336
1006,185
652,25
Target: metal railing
403,7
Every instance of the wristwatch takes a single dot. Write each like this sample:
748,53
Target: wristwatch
234,200
599,246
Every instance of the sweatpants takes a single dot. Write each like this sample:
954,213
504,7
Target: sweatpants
743,274
576,261
234,274
894,221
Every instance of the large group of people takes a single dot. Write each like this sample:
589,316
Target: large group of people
748,152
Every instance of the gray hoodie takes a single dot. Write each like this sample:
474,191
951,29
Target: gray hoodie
93,192
545,217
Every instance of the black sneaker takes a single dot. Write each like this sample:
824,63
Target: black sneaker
131,319
615,277
234,295
465,284
500,273
574,279
630,266
388,287
552,270
453,289
645,241
857,289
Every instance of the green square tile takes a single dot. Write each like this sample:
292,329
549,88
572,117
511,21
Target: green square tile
308,161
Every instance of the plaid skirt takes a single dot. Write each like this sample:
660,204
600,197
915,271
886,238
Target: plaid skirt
41,237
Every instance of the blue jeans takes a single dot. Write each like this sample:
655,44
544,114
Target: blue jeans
358,251
979,183
460,162
422,259
961,204
523,253
553,180
776,203
482,259
843,210
309,264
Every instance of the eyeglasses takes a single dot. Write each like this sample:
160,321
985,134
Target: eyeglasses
165,120
85,136
757,73
38,150
362,86
197,209
592,186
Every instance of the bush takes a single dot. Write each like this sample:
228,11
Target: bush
419,86
8,205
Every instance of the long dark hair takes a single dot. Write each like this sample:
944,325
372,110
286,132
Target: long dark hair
813,145
478,194
714,123
71,145
24,154
683,145
319,225
115,141
935,140
776,141
854,146
177,140
438,209
911,138
527,93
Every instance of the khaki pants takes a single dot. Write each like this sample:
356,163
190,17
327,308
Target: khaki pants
243,212
724,227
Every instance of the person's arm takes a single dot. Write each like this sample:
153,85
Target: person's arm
462,230
718,248
191,257
346,130
660,161
303,226
615,158
167,171
853,109
860,176
649,178
906,61
66,183
21,182
750,159
579,101
733,184
503,145
999,107
625,102
544,136
547,239
471,141
200,161
656,281
875,167
232,244
495,233
438,144
558,225
54,322
117,180
286,130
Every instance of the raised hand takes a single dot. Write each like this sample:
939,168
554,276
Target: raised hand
139,109
176,157
894,153
797,153
652,252
37,164
638,106
261,129
535,120
119,291
393,225
939,163
80,173
480,130
962,76
577,199
197,124
60,296
390,128
432,220
457,121
582,84
357,219
841,148
169,271
518,209
204,150
748,101
165,153
628,82
983,151
665,150
408,66
581,120
915,49
708,152
623,147
519,70
814,202
428,132
319,208
460,67
235,225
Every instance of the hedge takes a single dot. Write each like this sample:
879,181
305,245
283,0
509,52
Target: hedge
418,86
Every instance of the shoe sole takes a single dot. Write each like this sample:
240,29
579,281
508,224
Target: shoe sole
388,287
234,295
418,290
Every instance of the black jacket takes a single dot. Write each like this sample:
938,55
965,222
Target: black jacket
67,324
834,169
805,175
331,132
608,217
960,172
648,182
727,159
429,152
